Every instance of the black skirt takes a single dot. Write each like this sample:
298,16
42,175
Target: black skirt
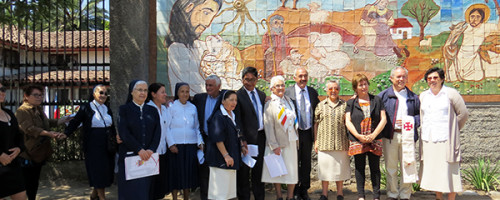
11,179
160,183
98,161
183,167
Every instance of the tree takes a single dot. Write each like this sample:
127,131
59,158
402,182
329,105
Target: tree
421,10
52,15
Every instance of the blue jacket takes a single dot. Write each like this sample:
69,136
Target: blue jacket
390,101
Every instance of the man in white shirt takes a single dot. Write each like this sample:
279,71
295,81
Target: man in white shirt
398,101
305,99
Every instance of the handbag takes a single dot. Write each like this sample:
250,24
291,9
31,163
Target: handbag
111,137
41,151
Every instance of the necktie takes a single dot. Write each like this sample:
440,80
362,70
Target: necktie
302,110
254,101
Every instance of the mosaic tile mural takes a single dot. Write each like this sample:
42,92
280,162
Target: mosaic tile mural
333,39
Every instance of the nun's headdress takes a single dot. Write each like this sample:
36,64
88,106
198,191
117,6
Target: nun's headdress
131,88
177,87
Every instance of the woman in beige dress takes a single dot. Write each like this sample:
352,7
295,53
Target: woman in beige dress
281,137
443,114
331,141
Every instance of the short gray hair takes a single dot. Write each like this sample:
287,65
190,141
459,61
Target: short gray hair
214,77
396,68
333,81
275,80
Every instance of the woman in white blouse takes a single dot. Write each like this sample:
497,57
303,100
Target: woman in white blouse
443,114
183,140
98,127
157,97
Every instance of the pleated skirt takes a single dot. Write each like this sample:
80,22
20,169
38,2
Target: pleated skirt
222,183
182,167
438,174
333,166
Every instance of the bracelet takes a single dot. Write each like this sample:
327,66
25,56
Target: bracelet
227,154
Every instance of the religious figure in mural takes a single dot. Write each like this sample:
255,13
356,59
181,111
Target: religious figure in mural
275,46
376,21
188,20
477,57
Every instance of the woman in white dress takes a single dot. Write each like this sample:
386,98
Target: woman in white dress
281,137
443,114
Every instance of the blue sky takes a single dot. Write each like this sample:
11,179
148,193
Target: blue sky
452,11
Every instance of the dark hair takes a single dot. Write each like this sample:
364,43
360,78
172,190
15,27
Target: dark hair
177,87
29,89
251,70
227,94
357,79
180,29
432,70
91,95
480,11
153,88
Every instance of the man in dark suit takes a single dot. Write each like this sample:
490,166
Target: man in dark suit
249,111
206,104
305,99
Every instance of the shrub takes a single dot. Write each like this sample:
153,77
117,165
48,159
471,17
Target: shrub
483,175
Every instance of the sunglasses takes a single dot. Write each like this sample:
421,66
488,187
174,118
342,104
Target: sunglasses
3,89
102,92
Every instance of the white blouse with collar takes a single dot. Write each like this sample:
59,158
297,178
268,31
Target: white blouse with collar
182,124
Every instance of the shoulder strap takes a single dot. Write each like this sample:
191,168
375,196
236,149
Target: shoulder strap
104,121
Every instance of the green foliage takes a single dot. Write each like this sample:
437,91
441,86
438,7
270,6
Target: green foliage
421,10
52,15
70,148
483,175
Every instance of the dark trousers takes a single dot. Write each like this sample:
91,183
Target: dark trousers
304,159
31,173
204,174
243,174
374,163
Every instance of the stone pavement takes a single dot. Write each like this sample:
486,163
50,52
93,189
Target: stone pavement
79,190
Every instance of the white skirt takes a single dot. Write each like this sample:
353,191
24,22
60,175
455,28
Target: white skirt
289,154
222,183
333,166
437,174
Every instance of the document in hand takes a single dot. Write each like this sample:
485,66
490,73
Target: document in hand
135,167
201,156
275,165
248,160
253,150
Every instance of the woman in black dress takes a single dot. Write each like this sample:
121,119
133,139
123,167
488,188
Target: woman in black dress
97,120
139,129
11,144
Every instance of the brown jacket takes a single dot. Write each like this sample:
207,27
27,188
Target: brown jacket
32,121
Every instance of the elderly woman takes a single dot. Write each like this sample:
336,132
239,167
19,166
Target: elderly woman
11,145
331,141
281,137
365,119
98,127
139,129
224,149
157,97
35,125
443,114
183,140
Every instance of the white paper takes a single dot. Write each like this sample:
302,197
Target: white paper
253,150
248,160
135,167
201,156
275,165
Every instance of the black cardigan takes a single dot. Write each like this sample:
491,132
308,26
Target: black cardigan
357,115
85,115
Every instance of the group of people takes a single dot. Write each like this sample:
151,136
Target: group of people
226,124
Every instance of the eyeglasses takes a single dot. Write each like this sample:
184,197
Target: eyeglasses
3,89
279,85
141,90
102,92
37,95
430,78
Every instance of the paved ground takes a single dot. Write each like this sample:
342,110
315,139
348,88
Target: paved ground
79,190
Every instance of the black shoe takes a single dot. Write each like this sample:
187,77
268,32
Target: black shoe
323,197
339,197
297,197
305,196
